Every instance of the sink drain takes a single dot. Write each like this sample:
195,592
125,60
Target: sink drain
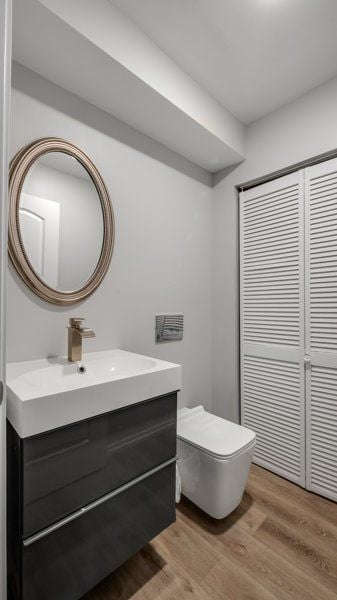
81,369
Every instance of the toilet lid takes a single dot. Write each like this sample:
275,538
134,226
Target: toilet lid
213,434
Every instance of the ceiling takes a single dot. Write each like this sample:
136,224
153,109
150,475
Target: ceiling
253,56
91,49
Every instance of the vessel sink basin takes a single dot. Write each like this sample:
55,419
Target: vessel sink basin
50,393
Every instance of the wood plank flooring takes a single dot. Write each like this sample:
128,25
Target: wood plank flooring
279,544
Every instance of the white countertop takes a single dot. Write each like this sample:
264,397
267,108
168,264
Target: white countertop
49,393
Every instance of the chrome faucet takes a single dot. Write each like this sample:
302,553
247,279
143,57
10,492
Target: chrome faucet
75,335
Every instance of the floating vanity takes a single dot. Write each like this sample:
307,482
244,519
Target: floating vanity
91,468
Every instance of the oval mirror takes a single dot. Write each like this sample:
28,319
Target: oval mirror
61,228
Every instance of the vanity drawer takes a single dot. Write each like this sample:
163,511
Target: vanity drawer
66,563
66,469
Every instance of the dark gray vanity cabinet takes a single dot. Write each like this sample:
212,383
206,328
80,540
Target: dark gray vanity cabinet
85,497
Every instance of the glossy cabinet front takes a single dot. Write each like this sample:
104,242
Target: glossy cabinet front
91,546
70,467
87,496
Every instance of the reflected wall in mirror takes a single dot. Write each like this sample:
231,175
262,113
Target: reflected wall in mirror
61,228
61,221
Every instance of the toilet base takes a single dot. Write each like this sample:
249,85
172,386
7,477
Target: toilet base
214,485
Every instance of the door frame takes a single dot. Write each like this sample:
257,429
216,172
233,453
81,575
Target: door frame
5,76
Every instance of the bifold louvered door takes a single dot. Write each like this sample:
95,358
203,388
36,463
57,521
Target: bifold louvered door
289,324
272,323
321,327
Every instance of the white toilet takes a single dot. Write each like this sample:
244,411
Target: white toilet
214,457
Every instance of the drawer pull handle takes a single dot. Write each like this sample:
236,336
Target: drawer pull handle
38,536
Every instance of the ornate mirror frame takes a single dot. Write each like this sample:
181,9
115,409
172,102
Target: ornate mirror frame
19,168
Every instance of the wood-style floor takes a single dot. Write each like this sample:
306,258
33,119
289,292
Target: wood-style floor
280,544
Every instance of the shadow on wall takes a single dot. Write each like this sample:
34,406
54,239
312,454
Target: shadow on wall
223,173
26,81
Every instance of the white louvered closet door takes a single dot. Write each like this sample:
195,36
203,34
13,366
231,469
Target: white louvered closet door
321,327
272,323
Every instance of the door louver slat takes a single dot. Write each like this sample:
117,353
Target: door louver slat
323,256
272,323
268,256
268,387
321,327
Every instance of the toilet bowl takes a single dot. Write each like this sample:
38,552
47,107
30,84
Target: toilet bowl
214,457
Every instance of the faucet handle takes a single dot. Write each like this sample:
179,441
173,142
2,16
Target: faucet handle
76,322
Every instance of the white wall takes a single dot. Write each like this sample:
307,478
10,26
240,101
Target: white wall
162,259
298,131
164,234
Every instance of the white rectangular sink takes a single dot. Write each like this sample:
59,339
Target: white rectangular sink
49,393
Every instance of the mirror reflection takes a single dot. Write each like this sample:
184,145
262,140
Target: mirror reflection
61,221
